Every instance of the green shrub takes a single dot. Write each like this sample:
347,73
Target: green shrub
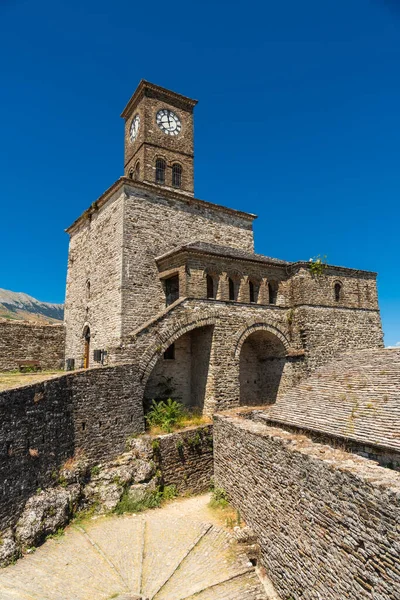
317,265
219,498
95,470
127,504
154,499
165,414
169,492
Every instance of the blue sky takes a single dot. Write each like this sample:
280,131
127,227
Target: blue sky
298,121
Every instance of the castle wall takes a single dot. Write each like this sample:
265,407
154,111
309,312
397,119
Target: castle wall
326,333
358,288
95,256
326,520
296,286
185,459
153,225
42,425
23,341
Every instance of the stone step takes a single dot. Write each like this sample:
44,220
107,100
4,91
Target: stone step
243,587
178,552
167,543
66,568
212,561
121,539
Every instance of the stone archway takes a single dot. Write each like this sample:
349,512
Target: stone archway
261,367
181,370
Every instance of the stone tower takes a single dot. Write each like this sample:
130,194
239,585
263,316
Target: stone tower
159,138
113,282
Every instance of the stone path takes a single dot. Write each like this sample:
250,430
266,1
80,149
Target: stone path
179,552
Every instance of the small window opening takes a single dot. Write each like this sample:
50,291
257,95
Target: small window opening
232,295
253,289
273,292
160,171
131,173
171,289
83,426
176,175
137,171
338,292
88,290
169,354
210,287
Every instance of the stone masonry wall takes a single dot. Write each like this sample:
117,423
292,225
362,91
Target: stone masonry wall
327,333
152,143
93,295
42,425
153,225
23,341
327,522
233,323
185,459
296,286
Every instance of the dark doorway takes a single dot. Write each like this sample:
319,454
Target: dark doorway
262,361
184,375
86,352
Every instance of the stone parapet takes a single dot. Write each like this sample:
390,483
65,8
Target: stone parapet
21,342
326,521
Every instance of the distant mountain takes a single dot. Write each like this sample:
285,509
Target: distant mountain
17,306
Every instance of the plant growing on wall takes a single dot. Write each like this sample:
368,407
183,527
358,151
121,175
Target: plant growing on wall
165,414
317,265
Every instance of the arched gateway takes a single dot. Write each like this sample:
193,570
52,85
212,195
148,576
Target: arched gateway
261,366
181,371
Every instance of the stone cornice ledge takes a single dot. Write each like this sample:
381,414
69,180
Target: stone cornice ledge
157,191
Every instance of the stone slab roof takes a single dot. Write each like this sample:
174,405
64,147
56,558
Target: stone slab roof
223,251
356,397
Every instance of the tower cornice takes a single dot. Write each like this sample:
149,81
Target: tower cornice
157,191
146,88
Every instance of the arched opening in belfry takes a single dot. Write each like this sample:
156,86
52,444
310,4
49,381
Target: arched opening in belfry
262,362
182,371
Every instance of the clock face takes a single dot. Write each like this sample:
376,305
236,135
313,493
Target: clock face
134,130
168,122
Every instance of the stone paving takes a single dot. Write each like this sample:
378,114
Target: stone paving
179,552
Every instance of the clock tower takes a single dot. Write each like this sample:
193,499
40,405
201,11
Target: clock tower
159,138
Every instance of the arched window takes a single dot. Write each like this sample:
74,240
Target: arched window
273,292
253,289
231,289
338,292
130,173
86,350
160,171
210,287
137,171
176,175
88,289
